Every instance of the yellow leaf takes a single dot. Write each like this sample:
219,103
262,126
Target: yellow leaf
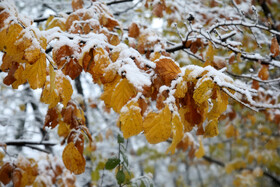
157,127
73,159
200,152
12,36
231,131
204,91
63,129
19,76
235,165
36,73
131,120
219,104
58,89
108,91
177,133
123,92
211,129
181,89
209,55
65,89
258,172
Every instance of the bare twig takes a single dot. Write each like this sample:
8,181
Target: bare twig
26,142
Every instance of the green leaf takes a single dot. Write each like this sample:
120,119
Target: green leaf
120,176
112,163
95,175
124,158
120,139
142,184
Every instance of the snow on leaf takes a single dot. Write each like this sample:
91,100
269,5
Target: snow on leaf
157,127
131,120
73,159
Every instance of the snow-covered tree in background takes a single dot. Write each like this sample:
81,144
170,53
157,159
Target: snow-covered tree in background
140,93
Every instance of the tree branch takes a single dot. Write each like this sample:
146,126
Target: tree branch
25,142
117,2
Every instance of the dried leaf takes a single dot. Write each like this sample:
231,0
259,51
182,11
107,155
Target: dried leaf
73,159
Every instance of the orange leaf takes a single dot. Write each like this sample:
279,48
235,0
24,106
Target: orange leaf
73,160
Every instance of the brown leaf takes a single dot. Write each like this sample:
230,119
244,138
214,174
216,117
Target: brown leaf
158,9
16,176
133,30
274,48
77,4
167,69
51,119
264,73
64,59
6,173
